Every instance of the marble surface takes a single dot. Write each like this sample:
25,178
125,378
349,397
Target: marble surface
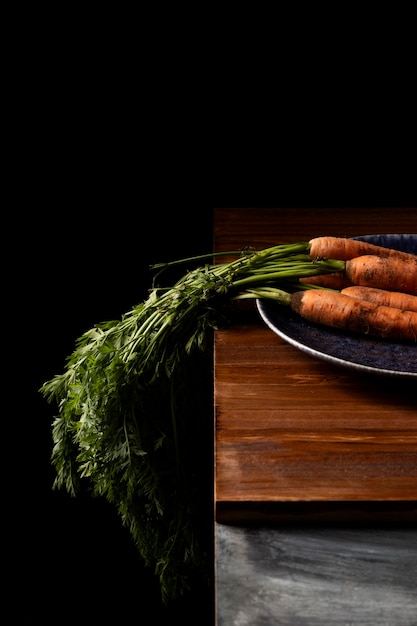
316,576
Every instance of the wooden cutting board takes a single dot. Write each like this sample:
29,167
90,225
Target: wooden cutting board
295,436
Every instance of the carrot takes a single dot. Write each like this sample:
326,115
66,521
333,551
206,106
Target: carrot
337,310
334,280
345,249
394,299
392,274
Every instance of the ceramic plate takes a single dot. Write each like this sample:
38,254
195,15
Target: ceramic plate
338,347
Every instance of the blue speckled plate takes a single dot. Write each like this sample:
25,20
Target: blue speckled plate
348,350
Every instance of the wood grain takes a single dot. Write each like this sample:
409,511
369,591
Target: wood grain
297,437
236,228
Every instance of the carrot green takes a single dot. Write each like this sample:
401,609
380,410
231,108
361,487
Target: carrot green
123,423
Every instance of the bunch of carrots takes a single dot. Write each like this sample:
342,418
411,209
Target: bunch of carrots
125,421
374,294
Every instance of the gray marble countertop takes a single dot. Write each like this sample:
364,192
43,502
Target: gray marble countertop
316,576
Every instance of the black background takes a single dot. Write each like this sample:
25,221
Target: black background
83,266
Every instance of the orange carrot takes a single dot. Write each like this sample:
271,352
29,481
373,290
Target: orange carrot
392,274
394,299
334,309
345,249
334,280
